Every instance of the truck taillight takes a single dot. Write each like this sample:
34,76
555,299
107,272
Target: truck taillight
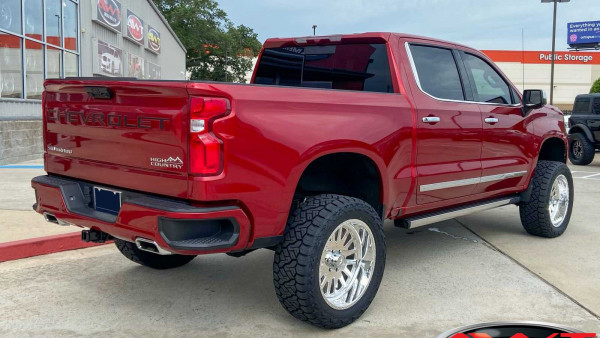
206,149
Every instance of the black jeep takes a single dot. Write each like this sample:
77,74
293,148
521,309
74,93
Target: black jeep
584,132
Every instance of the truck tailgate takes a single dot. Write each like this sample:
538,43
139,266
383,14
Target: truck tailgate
130,134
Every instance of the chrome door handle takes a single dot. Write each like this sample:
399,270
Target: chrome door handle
431,119
491,120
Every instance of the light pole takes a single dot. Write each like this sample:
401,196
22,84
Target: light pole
553,47
314,29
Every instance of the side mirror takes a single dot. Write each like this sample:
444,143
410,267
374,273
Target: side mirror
534,98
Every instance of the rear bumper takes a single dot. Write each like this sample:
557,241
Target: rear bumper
174,225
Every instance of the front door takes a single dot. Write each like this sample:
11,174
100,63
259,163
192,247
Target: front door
504,157
448,127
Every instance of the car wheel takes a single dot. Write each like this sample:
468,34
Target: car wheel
149,259
548,211
581,150
330,264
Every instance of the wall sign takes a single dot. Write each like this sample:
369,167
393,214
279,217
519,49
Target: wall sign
135,66
110,60
108,14
153,71
153,40
135,28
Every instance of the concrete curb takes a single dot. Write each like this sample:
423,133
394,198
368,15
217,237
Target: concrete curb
14,250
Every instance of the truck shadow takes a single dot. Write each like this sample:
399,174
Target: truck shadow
223,288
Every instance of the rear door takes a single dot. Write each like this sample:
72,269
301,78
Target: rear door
449,127
504,158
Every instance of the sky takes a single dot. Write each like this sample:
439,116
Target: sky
482,24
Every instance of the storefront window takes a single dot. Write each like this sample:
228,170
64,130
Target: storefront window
10,15
71,65
34,69
23,46
53,63
70,25
34,19
53,22
11,82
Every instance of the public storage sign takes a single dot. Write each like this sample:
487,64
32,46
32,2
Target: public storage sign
579,58
587,32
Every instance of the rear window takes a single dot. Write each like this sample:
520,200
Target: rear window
582,105
361,67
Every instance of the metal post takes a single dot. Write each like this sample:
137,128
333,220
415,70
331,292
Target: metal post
523,54
314,29
553,54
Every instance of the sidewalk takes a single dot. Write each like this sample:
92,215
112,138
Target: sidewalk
23,232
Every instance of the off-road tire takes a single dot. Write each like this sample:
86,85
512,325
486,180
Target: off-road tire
297,258
535,214
588,150
160,262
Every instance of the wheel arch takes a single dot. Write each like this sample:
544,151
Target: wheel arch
580,128
323,169
553,148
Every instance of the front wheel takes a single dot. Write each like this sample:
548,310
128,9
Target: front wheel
548,211
330,264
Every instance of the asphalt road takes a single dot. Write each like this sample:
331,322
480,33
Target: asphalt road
482,267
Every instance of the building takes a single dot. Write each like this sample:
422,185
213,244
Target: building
42,39
574,72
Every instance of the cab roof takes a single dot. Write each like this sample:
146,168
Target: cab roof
369,37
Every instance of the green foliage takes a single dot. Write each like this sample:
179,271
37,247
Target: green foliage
595,87
217,50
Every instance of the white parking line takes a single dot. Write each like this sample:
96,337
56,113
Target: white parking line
590,176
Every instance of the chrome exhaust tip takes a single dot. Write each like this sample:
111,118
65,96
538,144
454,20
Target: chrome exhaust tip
50,218
150,246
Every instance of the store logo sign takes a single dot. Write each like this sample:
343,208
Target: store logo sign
153,40
109,12
516,329
135,27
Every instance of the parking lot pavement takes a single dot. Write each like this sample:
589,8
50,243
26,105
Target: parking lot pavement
570,262
436,278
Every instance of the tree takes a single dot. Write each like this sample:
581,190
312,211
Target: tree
217,50
595,87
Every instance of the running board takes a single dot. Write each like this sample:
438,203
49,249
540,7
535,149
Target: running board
445,214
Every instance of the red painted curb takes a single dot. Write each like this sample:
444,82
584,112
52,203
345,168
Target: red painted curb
42,246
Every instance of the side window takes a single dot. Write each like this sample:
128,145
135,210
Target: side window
488,85
582,105
437,72
515,96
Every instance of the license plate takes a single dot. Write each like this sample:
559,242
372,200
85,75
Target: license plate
106,200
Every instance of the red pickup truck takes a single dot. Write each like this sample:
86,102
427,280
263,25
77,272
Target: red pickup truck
334,135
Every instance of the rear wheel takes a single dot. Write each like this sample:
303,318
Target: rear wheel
581,150
330,264
548,211
149,259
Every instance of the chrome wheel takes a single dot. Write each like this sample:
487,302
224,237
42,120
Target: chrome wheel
347,264
577,149
559,200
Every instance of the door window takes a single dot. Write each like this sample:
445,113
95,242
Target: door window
437,73
489,86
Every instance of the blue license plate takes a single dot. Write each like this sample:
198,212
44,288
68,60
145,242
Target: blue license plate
106,200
